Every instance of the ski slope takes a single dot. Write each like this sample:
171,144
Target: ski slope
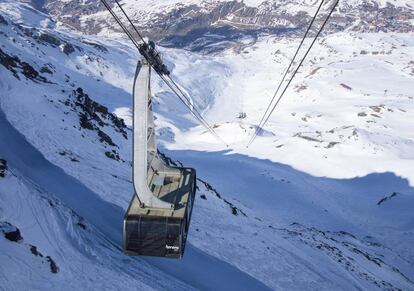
34,171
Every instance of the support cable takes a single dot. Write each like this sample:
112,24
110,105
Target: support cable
189,107
294,73
187,98
287,71
177,90
120,23
130,22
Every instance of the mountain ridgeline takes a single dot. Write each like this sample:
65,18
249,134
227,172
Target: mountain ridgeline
196,25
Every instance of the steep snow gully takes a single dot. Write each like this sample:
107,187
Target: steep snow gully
209,273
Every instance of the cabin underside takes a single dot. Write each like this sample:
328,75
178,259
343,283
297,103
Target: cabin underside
161,232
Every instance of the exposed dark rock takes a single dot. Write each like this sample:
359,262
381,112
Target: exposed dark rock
29,32
13,235
306,137
68,48
3,20
53,267
377,108
113,155
11,232
29,71
110,155
168,160
35,252
210,188
119,123
346,86
234,209
3,168
387,198
85,122
105,138
45,69
369,257
345,249
48,38
97,46
93,111
332,144
13,62
9,62
345,233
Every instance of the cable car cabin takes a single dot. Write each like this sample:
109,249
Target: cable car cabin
158,217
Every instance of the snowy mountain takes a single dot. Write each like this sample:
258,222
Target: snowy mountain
322,200
196,23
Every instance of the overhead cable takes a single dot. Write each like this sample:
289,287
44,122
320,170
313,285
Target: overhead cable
287,70
294,74
171,84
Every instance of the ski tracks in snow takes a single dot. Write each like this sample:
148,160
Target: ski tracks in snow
25,160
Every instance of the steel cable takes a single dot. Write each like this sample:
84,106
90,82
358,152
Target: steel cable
183,96
294,73
291,63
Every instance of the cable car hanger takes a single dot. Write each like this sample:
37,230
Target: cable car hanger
157,220
153,57
158,217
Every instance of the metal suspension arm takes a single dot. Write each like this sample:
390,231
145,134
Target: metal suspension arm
143,145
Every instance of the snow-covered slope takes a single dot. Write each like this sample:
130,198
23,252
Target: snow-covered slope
350,108
322,200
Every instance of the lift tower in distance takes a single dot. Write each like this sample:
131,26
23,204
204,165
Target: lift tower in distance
158,217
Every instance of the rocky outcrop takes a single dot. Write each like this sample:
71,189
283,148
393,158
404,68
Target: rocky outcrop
348,251
16,66
10,232
208,188
3,168
95,117
3,20
97,112
47,38
387,198
53,266
67,48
